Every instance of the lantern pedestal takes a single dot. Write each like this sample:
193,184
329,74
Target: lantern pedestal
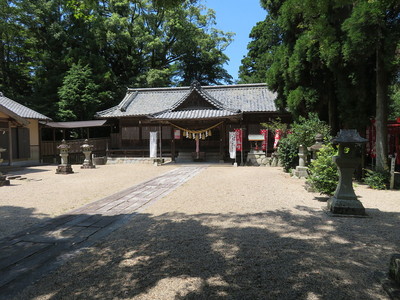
87,150
301,169
65,167
345,201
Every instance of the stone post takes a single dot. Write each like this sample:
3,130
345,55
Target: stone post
65,167
3,178
392,169
301,169
345,201
87,150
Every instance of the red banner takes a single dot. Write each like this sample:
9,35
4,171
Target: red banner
239,139
264,145
278,134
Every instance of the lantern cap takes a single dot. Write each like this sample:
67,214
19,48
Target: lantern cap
348,136
63,145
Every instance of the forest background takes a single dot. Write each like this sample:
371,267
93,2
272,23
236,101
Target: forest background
71,58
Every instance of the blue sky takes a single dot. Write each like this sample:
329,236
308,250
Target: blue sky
238,17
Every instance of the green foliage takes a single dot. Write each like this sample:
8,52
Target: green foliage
79,95
303,133
320,56
305,130
394,110
126,43
323,174
264,35
377,180
276,124
288,153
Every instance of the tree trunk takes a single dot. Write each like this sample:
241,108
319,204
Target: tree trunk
381,113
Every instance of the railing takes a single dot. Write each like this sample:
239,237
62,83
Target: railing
49,148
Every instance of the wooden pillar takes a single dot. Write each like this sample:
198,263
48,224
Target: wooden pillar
10,145
172,144
160,128
222,142
40,143
140,133
54,146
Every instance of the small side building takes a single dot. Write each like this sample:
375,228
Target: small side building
19,132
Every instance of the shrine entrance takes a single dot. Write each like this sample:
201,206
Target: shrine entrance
197,143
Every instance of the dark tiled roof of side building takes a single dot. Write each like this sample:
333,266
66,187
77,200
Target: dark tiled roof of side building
156,101
9,106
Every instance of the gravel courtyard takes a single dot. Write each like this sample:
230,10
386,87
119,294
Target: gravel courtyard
228,233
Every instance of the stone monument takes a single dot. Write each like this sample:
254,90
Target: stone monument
3,178
65,167
87,150
301,169
345,201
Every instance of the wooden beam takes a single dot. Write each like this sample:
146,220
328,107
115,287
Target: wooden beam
10,148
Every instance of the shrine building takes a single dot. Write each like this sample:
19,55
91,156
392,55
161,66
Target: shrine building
190,121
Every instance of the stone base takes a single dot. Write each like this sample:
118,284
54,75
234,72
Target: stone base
4,181
346,207
257,158
88,166
64,169
158,161
300,172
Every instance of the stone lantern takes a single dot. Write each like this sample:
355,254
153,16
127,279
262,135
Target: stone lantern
345,201
301,169
87,150
314,149
65,167
3,178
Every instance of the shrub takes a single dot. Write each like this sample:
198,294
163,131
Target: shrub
288,154
303,133
323,175
377,180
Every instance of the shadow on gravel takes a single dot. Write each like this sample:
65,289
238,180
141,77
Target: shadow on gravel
272,255
27,216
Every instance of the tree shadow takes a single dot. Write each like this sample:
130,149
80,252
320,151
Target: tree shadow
272,255
15,218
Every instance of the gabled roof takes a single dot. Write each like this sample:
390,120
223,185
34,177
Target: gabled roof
169,103
18,111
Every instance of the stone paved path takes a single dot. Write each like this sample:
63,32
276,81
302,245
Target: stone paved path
26,256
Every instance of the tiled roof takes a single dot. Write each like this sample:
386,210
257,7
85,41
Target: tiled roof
154,101
9,106
194,114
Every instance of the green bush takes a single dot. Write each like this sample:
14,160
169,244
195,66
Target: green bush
323,175
303,133
288,154
377,180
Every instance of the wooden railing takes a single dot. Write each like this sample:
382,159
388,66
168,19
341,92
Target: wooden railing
49,148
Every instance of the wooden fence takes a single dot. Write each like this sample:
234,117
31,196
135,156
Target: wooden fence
49,151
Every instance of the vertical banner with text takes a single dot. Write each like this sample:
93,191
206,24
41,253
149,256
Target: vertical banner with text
232,145
264,146
153,144
239,139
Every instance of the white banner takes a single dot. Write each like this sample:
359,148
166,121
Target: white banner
153,144
232,144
